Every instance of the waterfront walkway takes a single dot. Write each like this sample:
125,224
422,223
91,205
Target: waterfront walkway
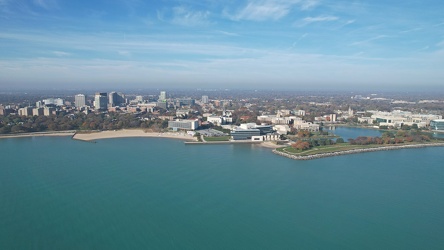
354,151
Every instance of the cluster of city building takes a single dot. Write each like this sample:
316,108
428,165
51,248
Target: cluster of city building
268,126
399,118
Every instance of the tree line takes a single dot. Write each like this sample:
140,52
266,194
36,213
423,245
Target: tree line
80,121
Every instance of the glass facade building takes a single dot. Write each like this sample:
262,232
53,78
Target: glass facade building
244,134
437,124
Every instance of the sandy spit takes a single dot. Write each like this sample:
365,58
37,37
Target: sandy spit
356,151
53,133
130,133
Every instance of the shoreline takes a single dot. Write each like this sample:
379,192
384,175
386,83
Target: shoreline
139,133
265,144
127,133
355,151
133,133
49,133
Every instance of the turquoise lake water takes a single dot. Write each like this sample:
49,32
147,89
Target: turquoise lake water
351,133
152,193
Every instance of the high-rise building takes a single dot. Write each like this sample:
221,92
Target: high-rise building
186,102
37,111
162,96
5,110
101,101
204,99
47,111
79,100
116,99
27,111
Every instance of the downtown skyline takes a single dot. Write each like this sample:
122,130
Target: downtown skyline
243,44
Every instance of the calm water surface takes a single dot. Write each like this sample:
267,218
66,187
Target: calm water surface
351,133
151,193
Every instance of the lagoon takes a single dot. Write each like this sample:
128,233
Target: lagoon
127,193
352,132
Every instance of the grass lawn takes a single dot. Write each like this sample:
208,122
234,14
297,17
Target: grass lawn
217,138
339,147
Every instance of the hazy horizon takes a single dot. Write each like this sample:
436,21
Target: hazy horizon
265,44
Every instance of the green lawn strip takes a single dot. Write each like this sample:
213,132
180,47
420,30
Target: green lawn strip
342,147
217,138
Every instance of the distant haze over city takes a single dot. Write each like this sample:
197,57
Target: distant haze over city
267,44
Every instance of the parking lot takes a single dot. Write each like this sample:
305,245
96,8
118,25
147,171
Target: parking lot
210,132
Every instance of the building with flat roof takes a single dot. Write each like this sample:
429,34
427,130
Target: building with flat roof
216,120
185,102
101,101
247,131
162,104
244,134
47,111
117,99
54,101
6,111
183,124
205,99
398,118
303,125
37,111
163,96
437,124
27,111
79,100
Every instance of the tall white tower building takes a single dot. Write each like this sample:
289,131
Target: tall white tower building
162,96
205,99
79,100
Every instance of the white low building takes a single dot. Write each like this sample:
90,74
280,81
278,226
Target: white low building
183,124
397,118
368,120
303,125
282,129
216,120
269,137
277,119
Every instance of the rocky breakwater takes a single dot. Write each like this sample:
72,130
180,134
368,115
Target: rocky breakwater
354,151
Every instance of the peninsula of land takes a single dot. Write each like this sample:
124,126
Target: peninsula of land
337,151
49,133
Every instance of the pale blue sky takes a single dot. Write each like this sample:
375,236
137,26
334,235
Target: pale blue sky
230,43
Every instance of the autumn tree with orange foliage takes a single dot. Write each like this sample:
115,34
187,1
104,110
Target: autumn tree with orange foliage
304,133
301,145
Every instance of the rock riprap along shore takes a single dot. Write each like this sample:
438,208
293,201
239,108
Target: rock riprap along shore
354,151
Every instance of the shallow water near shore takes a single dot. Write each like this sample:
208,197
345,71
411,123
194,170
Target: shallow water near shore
127,193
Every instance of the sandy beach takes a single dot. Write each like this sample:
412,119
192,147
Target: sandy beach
268,144
54,133
130,133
